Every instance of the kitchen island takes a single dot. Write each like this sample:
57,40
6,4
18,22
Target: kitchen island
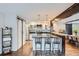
43,35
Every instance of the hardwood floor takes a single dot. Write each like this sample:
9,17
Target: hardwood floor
70,50
26,50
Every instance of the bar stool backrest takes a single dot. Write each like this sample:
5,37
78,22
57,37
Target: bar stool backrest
38,40
56,40
48,40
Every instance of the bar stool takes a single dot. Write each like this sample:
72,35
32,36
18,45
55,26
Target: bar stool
47,47
56,47
38,46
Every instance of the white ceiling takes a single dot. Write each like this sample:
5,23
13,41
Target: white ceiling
30,11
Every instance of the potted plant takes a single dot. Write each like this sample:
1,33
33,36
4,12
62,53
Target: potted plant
75,31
